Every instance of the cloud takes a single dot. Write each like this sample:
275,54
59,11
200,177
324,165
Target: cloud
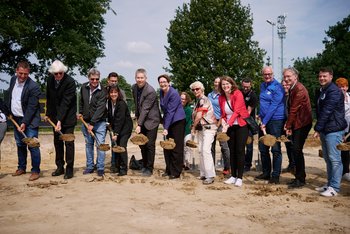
124,64
139,47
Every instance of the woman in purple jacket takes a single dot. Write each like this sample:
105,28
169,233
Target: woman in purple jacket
174,119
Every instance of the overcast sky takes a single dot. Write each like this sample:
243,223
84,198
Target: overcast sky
136,36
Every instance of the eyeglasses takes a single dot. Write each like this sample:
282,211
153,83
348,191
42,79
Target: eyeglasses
92,79
58,73
195,89
267,74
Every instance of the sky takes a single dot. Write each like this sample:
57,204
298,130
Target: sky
136,36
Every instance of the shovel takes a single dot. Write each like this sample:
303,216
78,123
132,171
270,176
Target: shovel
270,140
191,143
115,147
102,147
31,142
344,146
63,137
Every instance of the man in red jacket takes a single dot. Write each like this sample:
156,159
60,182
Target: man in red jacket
298,123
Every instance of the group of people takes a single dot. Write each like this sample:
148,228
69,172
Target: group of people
283,109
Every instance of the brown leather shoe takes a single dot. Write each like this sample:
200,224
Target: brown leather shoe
34,176
18,172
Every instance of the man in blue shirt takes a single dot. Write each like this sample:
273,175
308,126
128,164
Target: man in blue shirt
272,119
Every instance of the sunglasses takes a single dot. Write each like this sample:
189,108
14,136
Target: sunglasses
92,79
58,73
196,89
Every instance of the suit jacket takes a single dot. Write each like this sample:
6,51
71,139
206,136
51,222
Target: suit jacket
299,107
29,101
120,120
147,111
61,103
171,107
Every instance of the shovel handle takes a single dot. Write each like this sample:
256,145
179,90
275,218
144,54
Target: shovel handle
346,137
53,125
86,125
16,124
264,131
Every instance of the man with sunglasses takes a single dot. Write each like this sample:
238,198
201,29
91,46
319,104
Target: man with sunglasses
61,108
92,108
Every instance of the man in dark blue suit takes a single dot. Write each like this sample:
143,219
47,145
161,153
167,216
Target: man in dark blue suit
23,105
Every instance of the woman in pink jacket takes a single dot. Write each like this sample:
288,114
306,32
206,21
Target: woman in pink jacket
233,113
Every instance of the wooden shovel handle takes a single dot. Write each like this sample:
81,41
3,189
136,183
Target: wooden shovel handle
86,125
13,121
53,125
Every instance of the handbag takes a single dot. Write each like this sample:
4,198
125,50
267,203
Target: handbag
252,125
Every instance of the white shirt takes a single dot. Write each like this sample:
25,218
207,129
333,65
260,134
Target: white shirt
16,104
229,113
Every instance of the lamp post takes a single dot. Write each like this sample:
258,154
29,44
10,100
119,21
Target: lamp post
273,44
282,31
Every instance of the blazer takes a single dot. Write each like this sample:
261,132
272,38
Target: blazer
147,110
29,101
299,107
120,120
61,102
238,106
171,107
93,111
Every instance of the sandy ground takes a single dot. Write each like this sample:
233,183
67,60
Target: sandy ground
134,204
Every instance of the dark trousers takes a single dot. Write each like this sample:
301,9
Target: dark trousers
121,159
225,151
148,150
174,158
249,153
238,138
59,149
298,138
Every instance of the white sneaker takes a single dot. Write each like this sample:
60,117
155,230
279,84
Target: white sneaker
346,176
238,182
322,189
330,192
231,180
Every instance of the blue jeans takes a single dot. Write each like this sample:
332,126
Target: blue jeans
22,149
275,128
100,133
332,156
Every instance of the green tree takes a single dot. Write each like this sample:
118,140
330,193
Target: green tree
337,48
210,38
42,31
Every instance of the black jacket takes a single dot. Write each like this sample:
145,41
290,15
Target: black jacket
61,102
330,110
95,111
29,100
121,121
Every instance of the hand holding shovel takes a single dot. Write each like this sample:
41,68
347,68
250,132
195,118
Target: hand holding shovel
102,147
344,146
31,142
115,147
63,137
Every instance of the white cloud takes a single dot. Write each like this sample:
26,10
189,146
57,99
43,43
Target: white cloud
139,47
124,64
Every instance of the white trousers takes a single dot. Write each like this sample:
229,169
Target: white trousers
206,163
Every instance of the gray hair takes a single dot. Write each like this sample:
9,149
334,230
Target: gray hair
57,66
141,70
292,70
93,71
197,84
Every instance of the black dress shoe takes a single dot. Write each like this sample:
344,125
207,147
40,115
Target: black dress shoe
263,177
68,176
296,184
171,177
274,180
58,172
165,174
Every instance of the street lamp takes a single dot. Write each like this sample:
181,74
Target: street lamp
282,31
273,32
